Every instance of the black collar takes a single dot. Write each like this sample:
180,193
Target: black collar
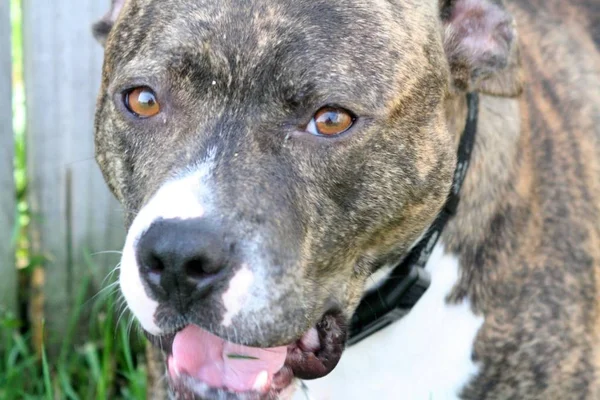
409,280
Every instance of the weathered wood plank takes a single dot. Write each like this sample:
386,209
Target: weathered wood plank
8,272
73,212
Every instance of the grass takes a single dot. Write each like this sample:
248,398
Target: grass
106,365
100,356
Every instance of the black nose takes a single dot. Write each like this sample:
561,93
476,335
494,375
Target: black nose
180,257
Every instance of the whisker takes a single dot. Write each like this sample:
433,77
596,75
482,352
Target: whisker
105,292
112,272
129,325
106,252
125,309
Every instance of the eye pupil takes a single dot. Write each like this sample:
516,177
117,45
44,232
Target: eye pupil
331,118
146,99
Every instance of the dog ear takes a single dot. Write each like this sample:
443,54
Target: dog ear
101,28
480,40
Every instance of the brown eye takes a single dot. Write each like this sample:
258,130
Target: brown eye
330,121
142,102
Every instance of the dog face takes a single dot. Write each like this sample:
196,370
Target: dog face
270,155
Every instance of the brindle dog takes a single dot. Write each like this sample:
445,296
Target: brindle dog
271,155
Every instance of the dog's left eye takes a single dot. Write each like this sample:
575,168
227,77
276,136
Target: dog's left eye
142,102
330,121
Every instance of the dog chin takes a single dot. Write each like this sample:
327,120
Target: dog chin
186,387
203,366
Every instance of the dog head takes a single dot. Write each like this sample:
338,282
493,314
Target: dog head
270,156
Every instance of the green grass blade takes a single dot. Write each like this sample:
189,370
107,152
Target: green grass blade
65,384
67,344
46,373
241,357
91,356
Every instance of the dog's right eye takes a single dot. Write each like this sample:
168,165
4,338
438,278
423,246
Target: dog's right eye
331,121
142,102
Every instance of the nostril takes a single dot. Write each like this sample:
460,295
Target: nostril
195,268
154,264
201,267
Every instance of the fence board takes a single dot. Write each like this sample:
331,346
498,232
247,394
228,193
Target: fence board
8,282
73,212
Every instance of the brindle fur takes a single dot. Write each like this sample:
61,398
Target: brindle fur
528,227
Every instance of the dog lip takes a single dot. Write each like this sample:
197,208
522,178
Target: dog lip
312,356
307,364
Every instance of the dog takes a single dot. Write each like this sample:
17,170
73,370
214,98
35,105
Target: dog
277,158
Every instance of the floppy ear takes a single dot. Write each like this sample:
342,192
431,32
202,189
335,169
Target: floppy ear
480,40
101,28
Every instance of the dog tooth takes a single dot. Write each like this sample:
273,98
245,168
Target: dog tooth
310,341
173,367
261,381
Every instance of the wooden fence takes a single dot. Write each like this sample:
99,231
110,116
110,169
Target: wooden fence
74,217
8,273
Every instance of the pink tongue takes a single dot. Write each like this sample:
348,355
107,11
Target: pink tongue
221,364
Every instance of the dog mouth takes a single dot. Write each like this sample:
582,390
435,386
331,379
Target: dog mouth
201,365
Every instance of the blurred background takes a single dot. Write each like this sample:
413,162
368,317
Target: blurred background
64,333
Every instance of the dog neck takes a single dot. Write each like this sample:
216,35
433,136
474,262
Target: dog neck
498,176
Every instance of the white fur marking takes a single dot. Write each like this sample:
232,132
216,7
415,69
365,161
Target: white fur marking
133,290
424,356
237,293
378,277
180,198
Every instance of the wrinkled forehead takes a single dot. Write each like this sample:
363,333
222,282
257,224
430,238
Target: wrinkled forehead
349,44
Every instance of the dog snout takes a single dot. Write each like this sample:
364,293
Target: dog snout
179,258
